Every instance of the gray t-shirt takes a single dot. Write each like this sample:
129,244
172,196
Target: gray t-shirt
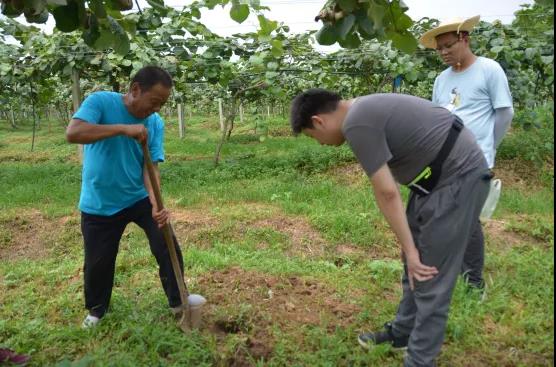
407,133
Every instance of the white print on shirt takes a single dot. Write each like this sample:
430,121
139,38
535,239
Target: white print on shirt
455,100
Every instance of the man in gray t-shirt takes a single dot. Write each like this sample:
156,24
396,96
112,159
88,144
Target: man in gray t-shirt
397,139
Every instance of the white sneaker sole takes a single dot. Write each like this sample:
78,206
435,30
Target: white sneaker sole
368,347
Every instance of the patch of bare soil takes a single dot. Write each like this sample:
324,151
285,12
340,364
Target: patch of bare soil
497,232
187,223
305,240
249,304
518,174
281,132
29,235
350,175
500,233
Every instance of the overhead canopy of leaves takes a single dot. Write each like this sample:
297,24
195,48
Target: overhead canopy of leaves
347,21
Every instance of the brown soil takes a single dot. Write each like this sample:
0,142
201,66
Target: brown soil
305,240
496,231
499,233
188,223
249,304
350,175
29,235
519,174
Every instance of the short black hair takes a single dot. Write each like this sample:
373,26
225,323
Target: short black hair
149,76
310,103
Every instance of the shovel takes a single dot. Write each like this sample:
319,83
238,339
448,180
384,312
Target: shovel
187,320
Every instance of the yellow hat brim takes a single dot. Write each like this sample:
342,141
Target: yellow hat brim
428,39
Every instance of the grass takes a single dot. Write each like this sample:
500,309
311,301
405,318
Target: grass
279,214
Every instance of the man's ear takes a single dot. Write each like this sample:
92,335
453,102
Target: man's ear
135,89
317,121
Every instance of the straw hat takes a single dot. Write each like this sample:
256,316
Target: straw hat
453,25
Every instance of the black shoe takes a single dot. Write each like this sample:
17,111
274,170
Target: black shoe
477,289
367,340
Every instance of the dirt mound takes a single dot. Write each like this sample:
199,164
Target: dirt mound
249,304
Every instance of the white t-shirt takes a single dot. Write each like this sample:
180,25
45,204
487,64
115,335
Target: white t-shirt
474,94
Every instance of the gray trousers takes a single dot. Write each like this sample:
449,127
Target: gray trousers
441,224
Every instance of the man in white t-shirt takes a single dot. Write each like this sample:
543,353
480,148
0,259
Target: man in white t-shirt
476,90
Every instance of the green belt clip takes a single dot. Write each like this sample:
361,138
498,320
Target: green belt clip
427,172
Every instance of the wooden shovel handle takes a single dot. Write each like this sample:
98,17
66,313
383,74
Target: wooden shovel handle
167,231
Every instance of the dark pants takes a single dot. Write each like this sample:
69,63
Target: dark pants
102,236
441,225
474,259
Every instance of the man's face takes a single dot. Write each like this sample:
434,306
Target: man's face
450,47
145,103
326,130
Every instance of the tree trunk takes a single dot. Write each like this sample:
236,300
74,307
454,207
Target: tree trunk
181,124
221,114
76,99
34,118
14,126
227,131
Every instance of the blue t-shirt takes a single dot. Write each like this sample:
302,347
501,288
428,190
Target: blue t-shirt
113,168
474,94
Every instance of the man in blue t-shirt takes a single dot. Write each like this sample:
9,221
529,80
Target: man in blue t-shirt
476,90
115,188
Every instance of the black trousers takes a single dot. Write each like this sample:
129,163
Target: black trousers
102,234
474,259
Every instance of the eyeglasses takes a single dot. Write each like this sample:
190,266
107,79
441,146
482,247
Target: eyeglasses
447,47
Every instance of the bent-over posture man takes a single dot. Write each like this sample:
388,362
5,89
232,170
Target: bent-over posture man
115,187
411,141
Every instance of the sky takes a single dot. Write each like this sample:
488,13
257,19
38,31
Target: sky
300,14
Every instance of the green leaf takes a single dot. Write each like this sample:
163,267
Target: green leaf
344,26
277,48
366,27
352,41
120,5
403,41
38,18
91,35
348,5
97,7
67,17
12,8
120,42
256,60
239,12
97,60
137,65
376,12
497,49
159,6
326,36
530,53
547,59
267,26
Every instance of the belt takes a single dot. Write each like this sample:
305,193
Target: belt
425,181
